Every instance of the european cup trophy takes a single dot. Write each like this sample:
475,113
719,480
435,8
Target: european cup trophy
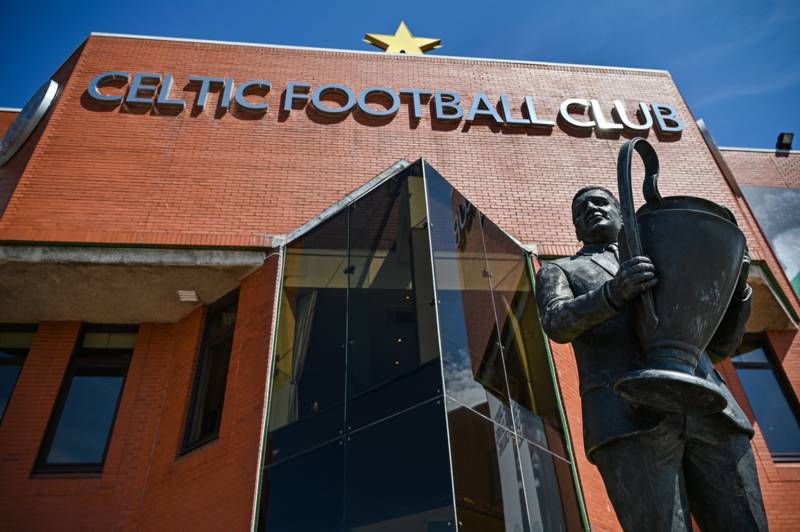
697,249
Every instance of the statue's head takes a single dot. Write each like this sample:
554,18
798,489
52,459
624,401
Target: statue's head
596,215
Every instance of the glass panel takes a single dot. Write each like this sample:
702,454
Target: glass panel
774,413
305,492
530,383
754,355
392,356
9,371
486,470
16,339
473,365
552,502
307,396
85,422
398,475
210,392
102,340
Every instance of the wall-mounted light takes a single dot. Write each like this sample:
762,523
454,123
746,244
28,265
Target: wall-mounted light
187,296
784,140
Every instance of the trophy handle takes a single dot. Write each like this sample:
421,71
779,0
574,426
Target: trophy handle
650,188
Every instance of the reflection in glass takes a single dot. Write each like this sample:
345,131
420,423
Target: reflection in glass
552,504
398,475
471,356
86,419
10,367
357,436
80,428
392,353
533,394
307,395
14,344
771,400
486,471
775,417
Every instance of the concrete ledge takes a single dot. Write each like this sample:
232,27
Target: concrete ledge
115,285
130,256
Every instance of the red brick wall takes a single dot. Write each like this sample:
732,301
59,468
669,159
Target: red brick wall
12,171
6,119
144,486
213,487
764,169
197,179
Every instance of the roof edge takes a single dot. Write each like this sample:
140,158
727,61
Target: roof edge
365,52
10,109
759,150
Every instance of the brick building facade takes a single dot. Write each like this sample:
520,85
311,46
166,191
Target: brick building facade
110,208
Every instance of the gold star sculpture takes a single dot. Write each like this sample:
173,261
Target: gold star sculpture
402,42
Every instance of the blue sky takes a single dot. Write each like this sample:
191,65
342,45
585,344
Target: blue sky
736,62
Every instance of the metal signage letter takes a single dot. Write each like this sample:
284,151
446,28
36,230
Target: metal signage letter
389,111
667,119
447,100
251,86
143,84
572,121
643,113
481,105
337,88
101,79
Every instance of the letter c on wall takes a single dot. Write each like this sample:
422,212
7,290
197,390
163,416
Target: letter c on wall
103,79
571,120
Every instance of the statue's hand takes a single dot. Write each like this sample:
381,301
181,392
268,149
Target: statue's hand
635,275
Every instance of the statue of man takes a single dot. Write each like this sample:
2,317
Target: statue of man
657,467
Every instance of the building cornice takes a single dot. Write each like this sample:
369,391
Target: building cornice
759,150
384,54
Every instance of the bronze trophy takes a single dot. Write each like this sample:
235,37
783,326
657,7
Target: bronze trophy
677,318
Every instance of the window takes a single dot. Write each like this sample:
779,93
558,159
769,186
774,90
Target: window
208,394
15,341
774,407
370,423
80,428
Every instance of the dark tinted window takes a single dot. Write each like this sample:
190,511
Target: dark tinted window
503,482
398,476
771,399
473,364
392,352
510,458
308,381
14,344
211,375
390,476
81,425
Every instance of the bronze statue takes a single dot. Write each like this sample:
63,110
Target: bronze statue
658,466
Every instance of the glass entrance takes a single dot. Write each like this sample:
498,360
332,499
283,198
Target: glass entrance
411,386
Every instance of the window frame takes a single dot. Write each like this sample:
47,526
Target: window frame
772,364
77,362
21,352
193,407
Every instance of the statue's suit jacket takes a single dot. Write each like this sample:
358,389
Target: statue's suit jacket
574,307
